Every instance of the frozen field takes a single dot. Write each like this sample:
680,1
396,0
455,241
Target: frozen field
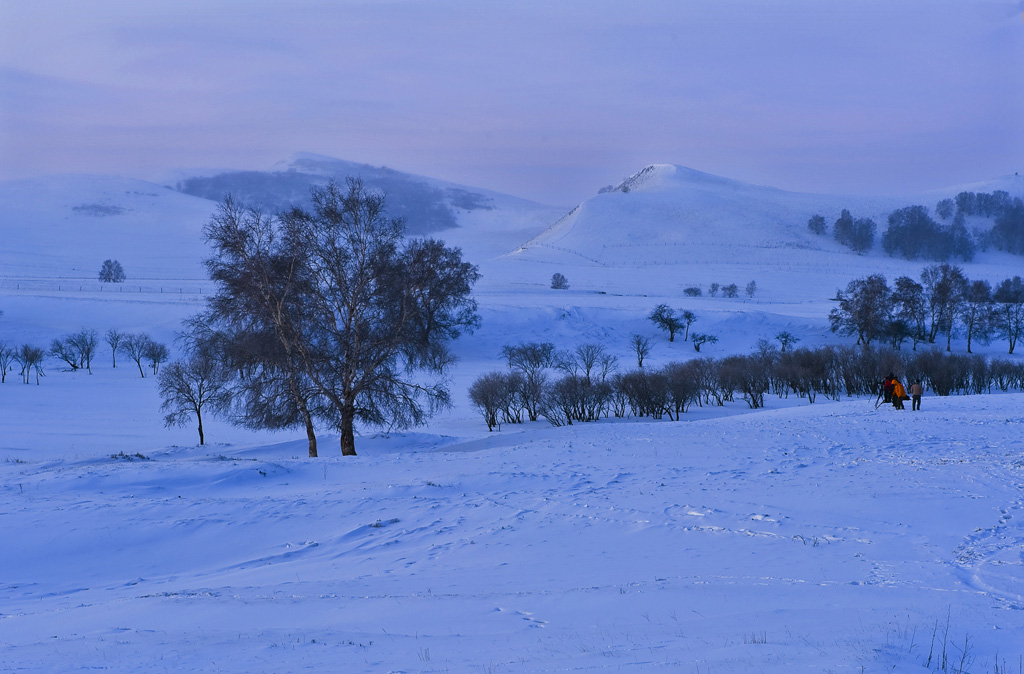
830,537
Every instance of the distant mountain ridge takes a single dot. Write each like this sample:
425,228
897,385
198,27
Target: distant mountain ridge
427,205
679,215
67,225
663,214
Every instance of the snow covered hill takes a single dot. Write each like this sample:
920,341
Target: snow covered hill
800,538
66,226
682,228
667,214
58,230
429,206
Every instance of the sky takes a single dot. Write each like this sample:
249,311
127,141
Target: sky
544,99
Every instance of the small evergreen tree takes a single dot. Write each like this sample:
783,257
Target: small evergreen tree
112,272
817,225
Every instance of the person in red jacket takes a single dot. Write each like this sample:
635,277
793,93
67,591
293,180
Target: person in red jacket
887,387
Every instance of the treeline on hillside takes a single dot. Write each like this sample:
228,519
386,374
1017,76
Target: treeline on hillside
913,234
585,385
945,302
856,234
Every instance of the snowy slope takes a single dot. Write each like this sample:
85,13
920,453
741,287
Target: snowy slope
676,215
828,537
683,228
825,537
66,226
496,222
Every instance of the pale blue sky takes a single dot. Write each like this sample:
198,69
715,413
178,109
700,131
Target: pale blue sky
545,99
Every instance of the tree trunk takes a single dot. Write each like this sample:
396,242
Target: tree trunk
348,435
310,433
199,419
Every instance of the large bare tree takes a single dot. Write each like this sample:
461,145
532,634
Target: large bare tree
360,317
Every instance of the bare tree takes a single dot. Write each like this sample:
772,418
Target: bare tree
531,359
156,354
559,282
863,309
646,392
945,289
976,312
76,349
641,347
364,312
786,339
62,349
683,385
135,346
1009,310
493,393
248,321
84,342
748,375
7,357
31,360
665,318
586,361
189,387
700,339
114,338
688,318
909,309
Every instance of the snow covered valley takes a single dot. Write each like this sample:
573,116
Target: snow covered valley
825,537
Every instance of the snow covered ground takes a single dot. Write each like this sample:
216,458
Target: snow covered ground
830,537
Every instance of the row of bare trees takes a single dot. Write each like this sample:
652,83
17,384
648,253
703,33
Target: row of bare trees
29,357
77,351
590,388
